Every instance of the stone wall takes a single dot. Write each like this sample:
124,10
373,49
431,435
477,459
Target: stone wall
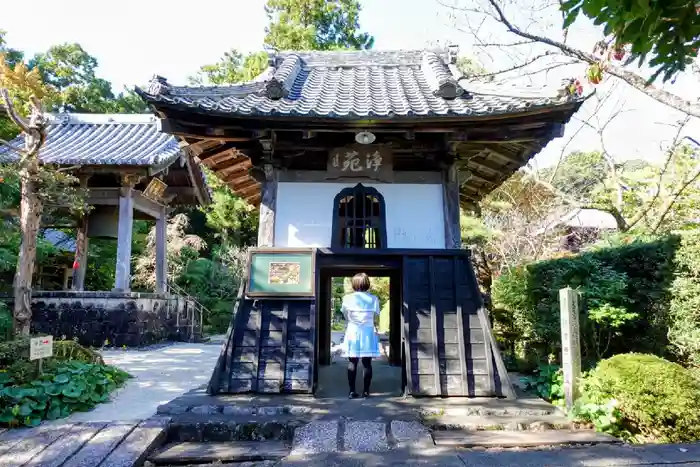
114,318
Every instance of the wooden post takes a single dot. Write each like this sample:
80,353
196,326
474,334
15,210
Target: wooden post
450,204
266,227
81,255
162,253
126,223
570,343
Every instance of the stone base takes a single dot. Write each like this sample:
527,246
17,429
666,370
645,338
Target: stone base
114,318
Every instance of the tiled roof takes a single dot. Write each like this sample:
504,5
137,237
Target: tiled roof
103,139
355,85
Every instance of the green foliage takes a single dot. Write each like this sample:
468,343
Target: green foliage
643,398
70,74
233,219
684,310
385,317
547,382
293,25
64,388
5,322
664,34
625,299
315,25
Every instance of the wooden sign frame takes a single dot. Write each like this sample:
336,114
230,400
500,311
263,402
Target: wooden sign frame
265,265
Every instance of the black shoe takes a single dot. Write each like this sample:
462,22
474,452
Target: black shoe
353,395
365,395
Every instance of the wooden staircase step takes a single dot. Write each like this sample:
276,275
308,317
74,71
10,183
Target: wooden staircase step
509,439
229,451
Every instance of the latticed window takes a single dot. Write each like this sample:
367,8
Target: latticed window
359,218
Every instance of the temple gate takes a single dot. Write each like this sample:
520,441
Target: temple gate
360,161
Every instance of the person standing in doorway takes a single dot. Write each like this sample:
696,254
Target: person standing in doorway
361,340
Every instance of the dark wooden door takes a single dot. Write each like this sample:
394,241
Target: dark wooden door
449,349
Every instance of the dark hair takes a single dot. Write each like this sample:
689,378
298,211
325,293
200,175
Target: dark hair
360,282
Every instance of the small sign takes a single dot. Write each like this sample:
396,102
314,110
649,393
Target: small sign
40,347
155,190
361,160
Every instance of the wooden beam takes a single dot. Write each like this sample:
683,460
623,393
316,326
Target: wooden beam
208,154
321,176
450,202
202,132
146,205
268,204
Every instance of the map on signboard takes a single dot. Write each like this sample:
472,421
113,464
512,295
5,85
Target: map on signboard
359,160
284,273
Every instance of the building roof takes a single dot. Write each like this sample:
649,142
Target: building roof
103,139
356,85
584,218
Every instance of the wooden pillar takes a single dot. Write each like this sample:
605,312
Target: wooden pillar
162,252
126,225
450,205
81,255
266,227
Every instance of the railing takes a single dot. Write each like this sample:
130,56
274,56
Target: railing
199,310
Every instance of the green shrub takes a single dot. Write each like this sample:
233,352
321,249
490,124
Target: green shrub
65,387
643,398
624,308
547,382
385,317
684,310
5,322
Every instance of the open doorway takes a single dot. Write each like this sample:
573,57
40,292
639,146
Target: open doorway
387,377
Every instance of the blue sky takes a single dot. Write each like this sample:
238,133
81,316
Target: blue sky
133,40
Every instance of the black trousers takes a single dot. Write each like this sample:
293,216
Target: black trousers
366,372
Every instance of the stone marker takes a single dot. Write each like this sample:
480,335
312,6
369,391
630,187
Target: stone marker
570,343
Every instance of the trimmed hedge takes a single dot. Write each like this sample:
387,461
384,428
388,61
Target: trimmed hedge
633,280
653,399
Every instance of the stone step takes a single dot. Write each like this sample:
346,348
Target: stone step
498,423
221,428
219,452
510,439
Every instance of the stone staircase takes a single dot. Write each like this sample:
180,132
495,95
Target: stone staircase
261,431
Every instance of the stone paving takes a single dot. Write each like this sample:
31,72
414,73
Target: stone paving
160,374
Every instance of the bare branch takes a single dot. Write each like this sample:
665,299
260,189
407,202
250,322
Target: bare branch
629,77
516,67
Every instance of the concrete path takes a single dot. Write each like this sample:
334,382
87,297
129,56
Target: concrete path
160,375
594,456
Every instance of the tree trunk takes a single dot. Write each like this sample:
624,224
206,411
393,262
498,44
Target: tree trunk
30,218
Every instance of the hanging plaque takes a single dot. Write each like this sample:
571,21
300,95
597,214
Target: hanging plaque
361,161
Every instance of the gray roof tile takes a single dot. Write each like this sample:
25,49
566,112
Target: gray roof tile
355,85
103,139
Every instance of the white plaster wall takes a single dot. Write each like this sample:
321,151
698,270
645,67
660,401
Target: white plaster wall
414,217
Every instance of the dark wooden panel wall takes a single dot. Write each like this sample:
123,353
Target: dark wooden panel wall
269,348
448,336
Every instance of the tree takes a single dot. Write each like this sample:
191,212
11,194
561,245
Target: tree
315,25
535,49
293,25
69,73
